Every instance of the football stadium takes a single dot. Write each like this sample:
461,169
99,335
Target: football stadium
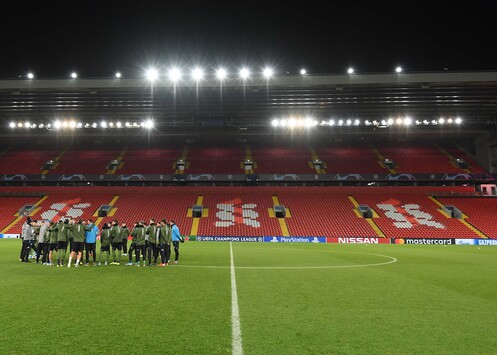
231,210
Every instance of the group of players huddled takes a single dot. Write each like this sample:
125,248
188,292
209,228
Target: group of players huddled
50,241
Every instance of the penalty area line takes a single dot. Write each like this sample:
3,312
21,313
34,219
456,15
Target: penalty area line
236,332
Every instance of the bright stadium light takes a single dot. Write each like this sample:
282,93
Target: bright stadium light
221,74
72,124
244,73
350,70
20,125
449,120
268,73
197,74
407,121
12,125
398,121
174,74
57,124
119,124
152,74
27,124
74,75
340,122
357,122
79,125
275,123
331,122
398,69
30,76
441,120
103,124
349,122
303,71
390,121
65,124
458,120
148,124
118,75
111,124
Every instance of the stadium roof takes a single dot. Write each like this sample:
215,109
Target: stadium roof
254,102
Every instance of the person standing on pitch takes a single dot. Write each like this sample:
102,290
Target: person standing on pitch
52,238
62,239
104,244
78,232
138,235
152,242
176,237
27,235
165,242
133,245
124,236
117,242
91,232
42,243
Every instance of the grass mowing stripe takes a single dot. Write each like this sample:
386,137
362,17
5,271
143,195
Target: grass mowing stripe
236,342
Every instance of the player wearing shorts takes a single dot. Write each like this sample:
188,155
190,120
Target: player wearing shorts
104,244
117,242
78,232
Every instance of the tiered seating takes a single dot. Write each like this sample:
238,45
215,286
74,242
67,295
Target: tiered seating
474,167
215,160
10,206
350,159
142,204
481,212
243,211
150,161
238,212
63,203
282,160
412,215
85,162
323,212
418,159
24,161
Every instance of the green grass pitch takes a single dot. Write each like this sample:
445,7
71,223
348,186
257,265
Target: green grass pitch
292,299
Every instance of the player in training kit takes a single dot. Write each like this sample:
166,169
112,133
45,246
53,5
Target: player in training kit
176,239
62,239
91,242
52,238
138,235
78,232
152,242
124,236
117,242
165,242
42,248
104,244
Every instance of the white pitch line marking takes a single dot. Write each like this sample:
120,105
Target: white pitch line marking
391,261
236,332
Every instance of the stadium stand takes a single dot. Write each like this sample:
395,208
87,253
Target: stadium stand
157,160
350,159
10,208
215,159
84,162
481,212
401,212
280,159
18,160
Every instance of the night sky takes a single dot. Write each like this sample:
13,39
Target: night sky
96,38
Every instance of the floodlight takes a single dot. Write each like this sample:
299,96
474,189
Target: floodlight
12,125
118,75
449,120
340,122
275,123
111,124
74,75
331,122
244,73
357,122
27,124
72,124
31,76
103,124
441,120
390,121
148,124
197,74
303,71
398,121
458,120
57,124
79,125
283,123
19,124
152,74
350,70
398,69
407,121
118,124
267,72
349,122
221,74
174,74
